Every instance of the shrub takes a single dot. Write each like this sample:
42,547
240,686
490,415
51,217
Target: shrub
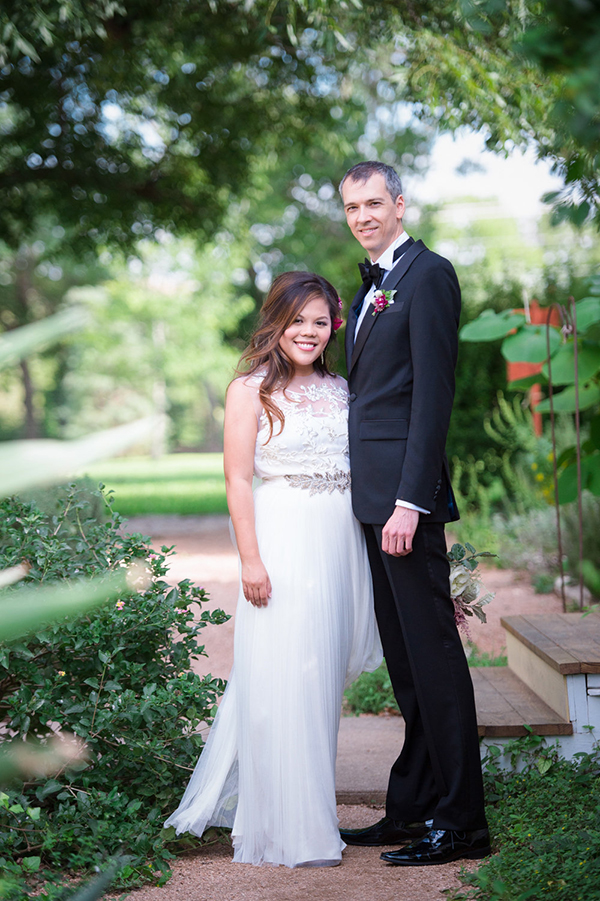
591,533
546,828
371,693
476,658
120,679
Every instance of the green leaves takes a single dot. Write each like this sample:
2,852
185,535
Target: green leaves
490,326
120,679
43,604
589,396
529,345
563,363
588,313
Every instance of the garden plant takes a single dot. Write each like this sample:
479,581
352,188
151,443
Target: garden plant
545,817
120,680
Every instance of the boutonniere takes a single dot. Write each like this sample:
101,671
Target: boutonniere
382,300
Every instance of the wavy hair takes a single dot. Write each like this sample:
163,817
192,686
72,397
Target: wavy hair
288,295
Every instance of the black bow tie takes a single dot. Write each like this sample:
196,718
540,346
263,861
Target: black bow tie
373,273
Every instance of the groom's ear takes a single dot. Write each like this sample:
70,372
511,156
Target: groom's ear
400,207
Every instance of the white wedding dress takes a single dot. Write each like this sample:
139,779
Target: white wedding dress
267,770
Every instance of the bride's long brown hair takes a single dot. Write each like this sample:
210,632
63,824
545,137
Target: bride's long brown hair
288,295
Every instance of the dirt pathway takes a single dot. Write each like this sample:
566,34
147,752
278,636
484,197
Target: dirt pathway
205,554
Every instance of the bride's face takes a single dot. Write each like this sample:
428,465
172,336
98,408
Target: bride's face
306,338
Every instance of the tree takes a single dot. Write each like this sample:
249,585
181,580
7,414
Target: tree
523,71
123,118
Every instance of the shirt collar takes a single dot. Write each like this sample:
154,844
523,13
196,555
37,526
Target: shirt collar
386,260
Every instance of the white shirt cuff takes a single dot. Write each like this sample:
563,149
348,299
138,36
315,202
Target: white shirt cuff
410,506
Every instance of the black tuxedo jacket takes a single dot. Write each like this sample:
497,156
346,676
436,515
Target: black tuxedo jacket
401,382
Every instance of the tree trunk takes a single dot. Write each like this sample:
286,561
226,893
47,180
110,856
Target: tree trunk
31,424
22,287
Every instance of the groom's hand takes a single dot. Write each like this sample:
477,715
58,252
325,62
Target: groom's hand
398,532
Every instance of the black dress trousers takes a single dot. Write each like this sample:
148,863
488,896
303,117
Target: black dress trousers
438,772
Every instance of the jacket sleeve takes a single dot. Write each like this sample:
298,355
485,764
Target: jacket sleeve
433,335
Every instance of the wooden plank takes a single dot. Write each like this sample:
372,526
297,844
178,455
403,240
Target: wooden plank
505,705
567,642
580,636
577,635
533,638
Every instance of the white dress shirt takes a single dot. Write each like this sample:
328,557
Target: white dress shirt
385,261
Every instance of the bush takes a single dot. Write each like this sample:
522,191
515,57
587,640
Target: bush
591,534
545,822
517,550
371,693
119,679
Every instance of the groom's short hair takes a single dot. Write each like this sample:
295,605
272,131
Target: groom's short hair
362,172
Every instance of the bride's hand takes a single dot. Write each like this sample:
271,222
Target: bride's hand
256,583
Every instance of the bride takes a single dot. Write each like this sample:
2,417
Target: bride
305,625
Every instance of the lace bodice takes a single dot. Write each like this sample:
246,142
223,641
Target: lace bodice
315,435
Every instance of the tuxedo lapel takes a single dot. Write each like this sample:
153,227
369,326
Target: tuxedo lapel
391,280
402,266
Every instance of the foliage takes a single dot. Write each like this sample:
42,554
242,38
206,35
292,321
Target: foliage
507,477
475,657
158,342
523,341
522,72
545,825
371,693
127,118
591,540
480,375
177,483
465,584
119,680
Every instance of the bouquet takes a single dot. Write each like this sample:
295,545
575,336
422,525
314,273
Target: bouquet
465,585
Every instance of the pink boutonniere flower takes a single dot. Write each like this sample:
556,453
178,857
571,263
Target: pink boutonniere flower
382,300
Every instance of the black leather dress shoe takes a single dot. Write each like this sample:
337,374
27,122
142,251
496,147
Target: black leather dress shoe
385,832
441,846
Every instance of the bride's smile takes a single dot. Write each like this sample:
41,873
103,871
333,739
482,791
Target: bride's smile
306,338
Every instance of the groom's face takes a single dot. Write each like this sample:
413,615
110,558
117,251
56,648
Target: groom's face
374,218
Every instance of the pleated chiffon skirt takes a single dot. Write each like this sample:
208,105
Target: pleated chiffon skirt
268,768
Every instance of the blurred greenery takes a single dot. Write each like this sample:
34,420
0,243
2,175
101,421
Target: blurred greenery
26,608
163,203
177,483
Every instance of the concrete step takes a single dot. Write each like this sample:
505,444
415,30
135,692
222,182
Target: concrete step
367,747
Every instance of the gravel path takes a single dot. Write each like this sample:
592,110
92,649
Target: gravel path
204,553
208,875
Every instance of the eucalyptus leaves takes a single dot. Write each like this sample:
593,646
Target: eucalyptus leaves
465,585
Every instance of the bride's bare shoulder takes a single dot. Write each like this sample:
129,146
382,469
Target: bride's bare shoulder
243,391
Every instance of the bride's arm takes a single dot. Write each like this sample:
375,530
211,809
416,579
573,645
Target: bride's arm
241,428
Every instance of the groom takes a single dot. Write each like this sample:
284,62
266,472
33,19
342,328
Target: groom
401,353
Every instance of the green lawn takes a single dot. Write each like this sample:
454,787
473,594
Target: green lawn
176,483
